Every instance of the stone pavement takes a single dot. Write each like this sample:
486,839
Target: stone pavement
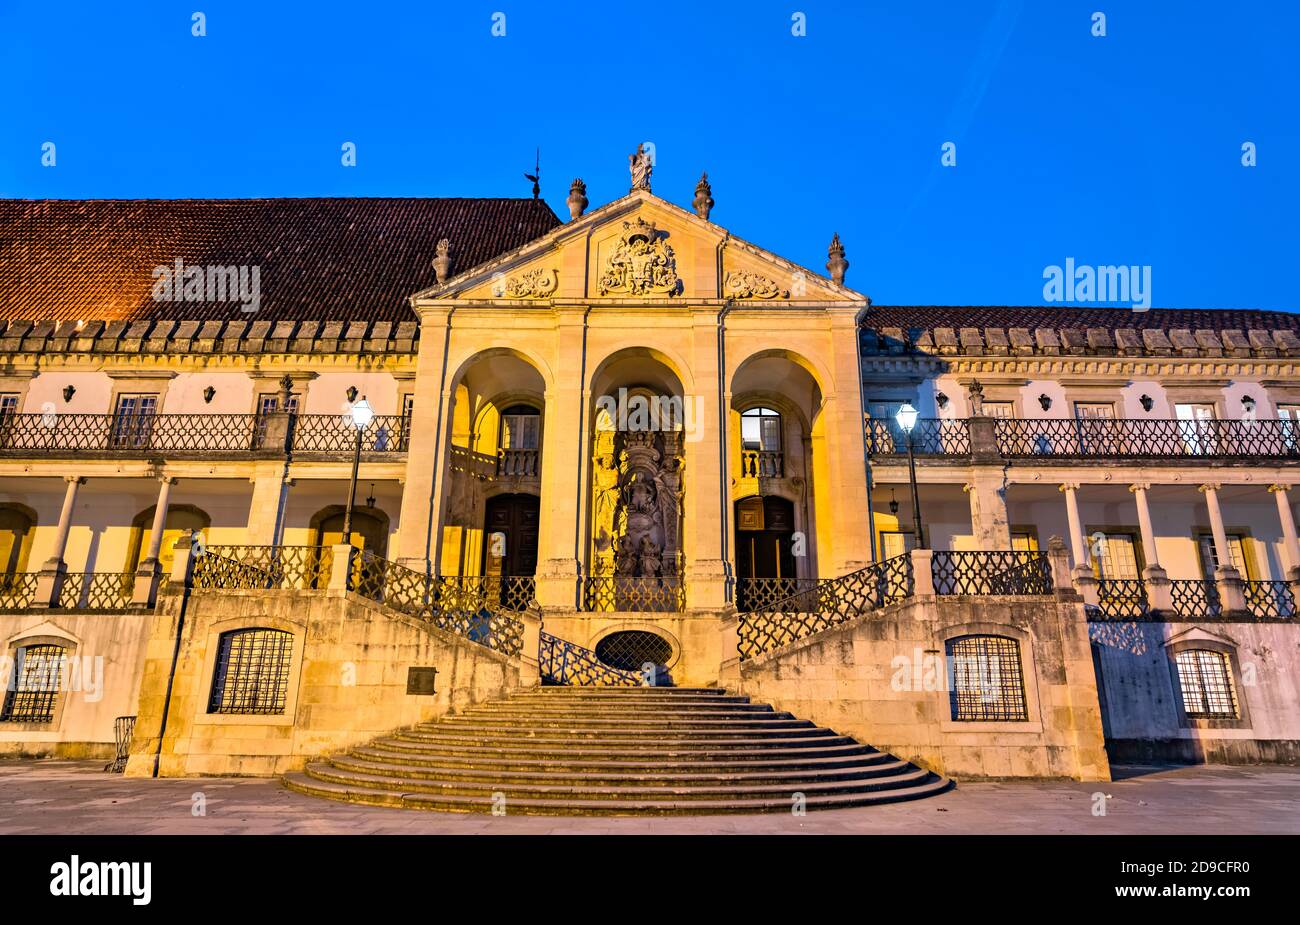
78,798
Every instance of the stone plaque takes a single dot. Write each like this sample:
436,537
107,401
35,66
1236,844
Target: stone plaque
421,680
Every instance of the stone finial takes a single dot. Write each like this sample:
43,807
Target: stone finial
577,199
703,201
976,394
442,262
837,264
286,389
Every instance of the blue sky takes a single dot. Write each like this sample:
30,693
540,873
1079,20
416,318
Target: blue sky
1123,149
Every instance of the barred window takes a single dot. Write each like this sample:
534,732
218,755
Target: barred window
985,680
1206,679
252,672
38,675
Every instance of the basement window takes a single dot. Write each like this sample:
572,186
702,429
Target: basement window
986,683
1205,677
252,672
39,673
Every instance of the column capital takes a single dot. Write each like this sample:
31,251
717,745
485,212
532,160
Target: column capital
1139,486
167,479
1068,486
1277,487
75,479
1208,486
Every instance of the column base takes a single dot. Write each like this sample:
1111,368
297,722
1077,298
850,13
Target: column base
1232,590
556,584
1086,584
147,577
1158,588
707,583
49,584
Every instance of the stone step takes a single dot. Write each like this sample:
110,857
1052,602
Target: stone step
354,792
613,691
541,706
647,775
605,723
557,749
652,739
555,791
565,762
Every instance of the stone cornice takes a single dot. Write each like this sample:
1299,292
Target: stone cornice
1055,367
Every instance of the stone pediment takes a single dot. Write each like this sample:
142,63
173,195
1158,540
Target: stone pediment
639,249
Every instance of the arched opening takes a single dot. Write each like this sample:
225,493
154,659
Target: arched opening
180,519
765,551
511,528
17,527
369,528
638,650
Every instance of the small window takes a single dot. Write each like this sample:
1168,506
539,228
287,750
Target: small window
1205,677
986,681
39,673
252,672
1236,551
269,402
1004,410
1116,556
1094,411
8,406
760,429
520,428
133,419
1024,540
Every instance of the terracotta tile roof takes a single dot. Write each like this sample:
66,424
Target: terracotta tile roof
1058,317
319,259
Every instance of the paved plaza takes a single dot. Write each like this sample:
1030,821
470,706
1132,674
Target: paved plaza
77,797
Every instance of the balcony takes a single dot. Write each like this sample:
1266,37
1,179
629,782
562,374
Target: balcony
199,435
1107,439
517,464
762,464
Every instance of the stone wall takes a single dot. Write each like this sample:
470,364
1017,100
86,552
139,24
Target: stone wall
1142,700
347,681
882,679
108,649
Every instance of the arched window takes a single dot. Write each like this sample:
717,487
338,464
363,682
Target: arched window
987,684
38,673
252,672
16,530
1205,677
520,428
181,518
760,443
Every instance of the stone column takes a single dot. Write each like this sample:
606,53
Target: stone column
922,572
49,582
1232,593
266,508
1083,577
1290,541
846,449
149,573
427,452
988,509
1155,577
707,492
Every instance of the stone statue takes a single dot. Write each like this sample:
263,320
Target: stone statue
641,168
625,559
648,553
703,201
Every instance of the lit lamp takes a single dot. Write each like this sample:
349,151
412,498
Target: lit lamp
362,414
906,418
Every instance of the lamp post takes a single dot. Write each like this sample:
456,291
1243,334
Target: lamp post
906,418
362,414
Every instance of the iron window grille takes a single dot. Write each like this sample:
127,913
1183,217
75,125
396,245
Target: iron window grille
252,672
986,682
39,673
1205,677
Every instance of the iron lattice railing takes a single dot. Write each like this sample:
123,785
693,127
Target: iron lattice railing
1194,597
762,593
512,593
1122,597
930,437
826,604
629,594
17,590
332,433
1001,572
469,611
563,662
1161,438
257,567
1270,599
97,590
168,433
517,463
762,464
123,730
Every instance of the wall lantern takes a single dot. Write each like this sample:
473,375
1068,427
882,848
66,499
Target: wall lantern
351,393
893,502
1045,400
68,392
1146,401
370,499
208,393
1248,404
941,399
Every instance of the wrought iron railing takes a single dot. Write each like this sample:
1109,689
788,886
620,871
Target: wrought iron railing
1270,599
333,433
562,662
17,590
826,604
930,437
470,611
258,567
1122,597
97,590
513,593
165,433
1161,438
1194,597
123,730
641,595
517,463
762,593
762,464
1000,572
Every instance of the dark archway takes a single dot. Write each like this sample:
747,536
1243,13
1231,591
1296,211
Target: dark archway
510,535
764,549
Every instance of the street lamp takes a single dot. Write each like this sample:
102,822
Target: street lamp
362,414
906,418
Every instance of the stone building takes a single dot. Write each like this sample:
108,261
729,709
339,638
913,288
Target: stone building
625,439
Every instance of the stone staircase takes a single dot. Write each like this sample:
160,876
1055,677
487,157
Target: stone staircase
617,751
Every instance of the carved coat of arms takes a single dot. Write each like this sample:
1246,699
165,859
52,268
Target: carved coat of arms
642,263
